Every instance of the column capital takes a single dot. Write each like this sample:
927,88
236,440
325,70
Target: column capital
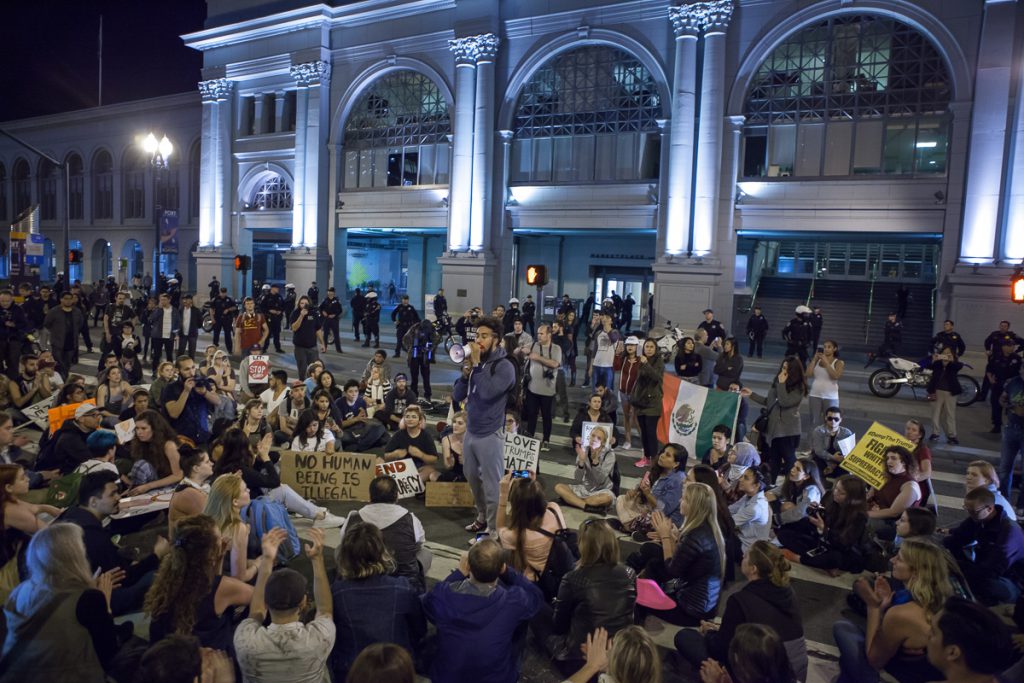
475,49
311,73
706,16
685,22
216,89
505,135
736,121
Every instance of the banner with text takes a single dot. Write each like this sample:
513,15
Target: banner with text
867,459
521,452
405,475
328,476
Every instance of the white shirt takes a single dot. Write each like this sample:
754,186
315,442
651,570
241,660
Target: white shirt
294,652
165,333
186,320
309,444
272,403
604,355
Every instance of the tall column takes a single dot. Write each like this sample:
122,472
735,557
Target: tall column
298,196
988,133
279,122
483,142
461,182
1013,232
715,18
685,24
215,172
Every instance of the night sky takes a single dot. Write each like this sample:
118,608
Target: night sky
50,49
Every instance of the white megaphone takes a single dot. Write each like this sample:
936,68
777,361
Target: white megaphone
458,352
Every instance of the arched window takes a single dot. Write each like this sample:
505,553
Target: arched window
194,169
76,207
273,194
22,186
852,95
3,193
133,192
589,114
48,176
102,186
396,134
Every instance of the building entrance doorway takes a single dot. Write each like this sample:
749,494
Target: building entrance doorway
638,282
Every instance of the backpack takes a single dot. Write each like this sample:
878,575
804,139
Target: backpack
63,491
263,514
514,396
565,550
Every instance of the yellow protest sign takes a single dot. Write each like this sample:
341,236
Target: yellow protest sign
328,476
867,459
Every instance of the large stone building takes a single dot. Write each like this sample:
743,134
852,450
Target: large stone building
708,152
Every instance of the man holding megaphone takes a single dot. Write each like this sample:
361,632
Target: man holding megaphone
492,375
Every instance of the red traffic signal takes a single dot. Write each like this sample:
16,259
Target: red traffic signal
536,276
1017,288
75,256
243,263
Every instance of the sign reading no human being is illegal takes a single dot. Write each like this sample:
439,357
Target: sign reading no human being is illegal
521,452
867,459
328,476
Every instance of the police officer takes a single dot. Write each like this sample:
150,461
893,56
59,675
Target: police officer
817,321
404,316
174,291
264,291
627,312
1003,365
757,330
949,339
214,288
272,307
993,344
440,304
512,314
224,309
891,339
420,342
330,316
314,294
289,300
797,334
371,320
14,325
714,328
529,315
357,303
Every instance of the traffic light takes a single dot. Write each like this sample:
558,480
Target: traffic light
75,256
1017,288
536,276
243,263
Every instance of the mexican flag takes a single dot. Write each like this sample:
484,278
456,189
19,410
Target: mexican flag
689,412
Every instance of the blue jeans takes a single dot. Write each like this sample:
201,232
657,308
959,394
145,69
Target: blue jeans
853,657
604,376
1012,446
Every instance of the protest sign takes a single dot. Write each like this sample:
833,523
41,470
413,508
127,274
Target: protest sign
521,452
38,413
259,369
57,415
125,430
328,476
867,459
588,427
405,475
449,494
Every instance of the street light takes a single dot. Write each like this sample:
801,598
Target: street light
159,157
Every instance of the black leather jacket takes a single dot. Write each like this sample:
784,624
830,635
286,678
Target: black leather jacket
589,597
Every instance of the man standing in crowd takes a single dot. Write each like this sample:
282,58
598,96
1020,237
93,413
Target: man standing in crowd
357,304
713,327
115,316
485,393
1013,437
1003,365
252,327
757,330
63,324
330,313
371,320
314,294
604,352
165,322
224,309
13,328
627,312
993,344
892,339
289,301
404,316
949,338
189,402
798,334
307,335
214,287
544,360
191,322
440,304
817,322
35,307
420,342
529,315
272,307
511,315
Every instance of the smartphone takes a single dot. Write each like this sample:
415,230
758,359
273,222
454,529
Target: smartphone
814,552
520,474
821,349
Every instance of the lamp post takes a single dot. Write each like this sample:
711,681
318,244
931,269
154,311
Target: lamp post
159,157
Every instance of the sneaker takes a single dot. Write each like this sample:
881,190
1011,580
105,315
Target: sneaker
595,509
329,521
933,437
476,527
953,441
642,462
627,446
545,446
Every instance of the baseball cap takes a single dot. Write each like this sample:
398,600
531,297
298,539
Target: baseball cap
298,383
85,409
401,375
632,339
371,295
284,590
255,347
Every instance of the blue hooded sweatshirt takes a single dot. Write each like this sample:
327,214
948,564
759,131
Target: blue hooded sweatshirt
484,393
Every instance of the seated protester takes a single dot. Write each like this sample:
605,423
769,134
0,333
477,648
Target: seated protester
632,657
190,402
189,596
112,396
899,492
274,395
479,608
756,655
66,449
915,432
825,440
898,623
716,455
752,513
527,524
288,412
744,408
227,498
589,412
323,408
705,475
969,643
312,435
180,659
127,339
983,474
659,490
328,383
688,564
382,662
155,455
742,456
609,400
802,489
365,582
395,402
207,360
131,367
600,592
402,531
107,361
313,371
103,445
989,548
32,385
59,626
248,390
192,492
766,599
253,422
165,375
412,441
378,362
224,381
140,404
260,475
11,453
593,487
833,536
913,523
451,449
18,521
358,431
376,381
98,499
287,649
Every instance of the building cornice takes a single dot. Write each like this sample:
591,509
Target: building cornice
104,113
626,12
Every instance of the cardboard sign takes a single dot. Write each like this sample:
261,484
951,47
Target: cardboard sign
125,430
521,452
609,430
38,413
58,415
405,475
328,476
867,459
449,494
259,369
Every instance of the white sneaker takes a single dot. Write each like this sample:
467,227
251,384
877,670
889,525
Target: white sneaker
627,446
329,521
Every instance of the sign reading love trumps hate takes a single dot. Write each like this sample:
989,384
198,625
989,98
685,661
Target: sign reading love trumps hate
328,476
521,452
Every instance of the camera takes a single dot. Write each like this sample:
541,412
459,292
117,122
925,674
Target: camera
814,510
549,373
